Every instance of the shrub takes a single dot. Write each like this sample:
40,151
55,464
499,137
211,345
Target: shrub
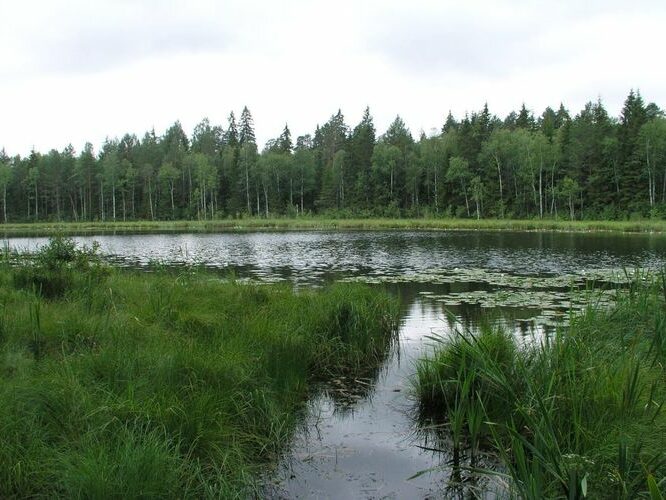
60,266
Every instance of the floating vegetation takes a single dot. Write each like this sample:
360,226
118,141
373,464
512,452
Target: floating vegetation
547,301
506,280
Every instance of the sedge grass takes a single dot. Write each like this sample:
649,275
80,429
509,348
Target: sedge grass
122,384
578,415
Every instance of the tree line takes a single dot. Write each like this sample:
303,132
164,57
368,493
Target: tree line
552,165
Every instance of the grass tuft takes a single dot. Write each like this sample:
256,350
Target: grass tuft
578,415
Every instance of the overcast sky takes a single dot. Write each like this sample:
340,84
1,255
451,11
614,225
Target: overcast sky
73,71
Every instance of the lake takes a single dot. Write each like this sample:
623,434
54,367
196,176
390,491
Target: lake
358,438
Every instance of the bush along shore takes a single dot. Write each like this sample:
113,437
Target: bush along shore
120,384
576,415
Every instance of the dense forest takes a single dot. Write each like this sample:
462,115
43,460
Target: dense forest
554,165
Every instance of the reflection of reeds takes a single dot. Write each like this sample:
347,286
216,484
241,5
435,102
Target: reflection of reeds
576,414
170,383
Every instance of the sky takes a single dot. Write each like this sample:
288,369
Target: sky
74,71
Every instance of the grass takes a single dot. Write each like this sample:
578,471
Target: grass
323,223
579,415
119,384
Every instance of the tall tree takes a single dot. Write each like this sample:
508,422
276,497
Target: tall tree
632,118
361,147
246,133
247,160
459,172
284,141
525,119
6,173
652,149
304,165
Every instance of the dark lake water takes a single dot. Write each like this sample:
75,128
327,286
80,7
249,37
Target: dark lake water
358,439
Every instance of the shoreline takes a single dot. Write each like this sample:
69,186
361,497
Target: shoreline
324,224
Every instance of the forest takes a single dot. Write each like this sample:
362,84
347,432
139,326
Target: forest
589,166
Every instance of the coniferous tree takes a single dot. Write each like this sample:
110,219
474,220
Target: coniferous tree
449,124
525,119
632,118
362,144
284,141
246,132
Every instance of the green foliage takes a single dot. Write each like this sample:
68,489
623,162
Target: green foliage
523,163
470,366
60,266
576,415
166,383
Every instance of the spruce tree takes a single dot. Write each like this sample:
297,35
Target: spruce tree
284,141
361,148
525,119
450,123
231,135
632,118
246,134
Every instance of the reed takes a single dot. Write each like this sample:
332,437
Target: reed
576,415
332,223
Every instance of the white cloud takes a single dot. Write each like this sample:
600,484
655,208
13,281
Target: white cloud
77,70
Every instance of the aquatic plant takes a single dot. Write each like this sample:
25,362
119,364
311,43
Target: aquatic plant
56,267
576,415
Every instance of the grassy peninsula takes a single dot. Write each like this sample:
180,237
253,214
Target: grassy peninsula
120,384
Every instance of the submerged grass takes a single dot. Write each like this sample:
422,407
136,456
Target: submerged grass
120,384
578,415
325,223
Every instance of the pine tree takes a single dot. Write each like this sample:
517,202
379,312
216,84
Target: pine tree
330,139
548,123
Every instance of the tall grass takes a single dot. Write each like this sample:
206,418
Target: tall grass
165,384
578,415
327,223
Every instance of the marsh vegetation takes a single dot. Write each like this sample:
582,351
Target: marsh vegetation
185,368
167,383
578,414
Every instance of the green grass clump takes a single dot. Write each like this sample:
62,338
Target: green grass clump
578,415
166,384
60,267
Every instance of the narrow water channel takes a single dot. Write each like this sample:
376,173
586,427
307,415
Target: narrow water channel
366,448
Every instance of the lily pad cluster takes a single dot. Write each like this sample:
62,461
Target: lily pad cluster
534,301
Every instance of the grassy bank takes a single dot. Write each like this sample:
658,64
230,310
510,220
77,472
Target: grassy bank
580,415
122,385
317,223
